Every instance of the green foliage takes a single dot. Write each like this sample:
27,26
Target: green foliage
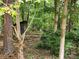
2,10
72,42
1,21
77,58
73,36
50,41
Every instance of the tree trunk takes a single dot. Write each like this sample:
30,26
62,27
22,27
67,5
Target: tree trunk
8,41
18,22
20,54
20,48
20,51
63,30
56,2
8,1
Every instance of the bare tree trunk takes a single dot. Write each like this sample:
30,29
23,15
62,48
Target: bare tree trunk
20,52
20,47
8,40
63,30
18,22
56,2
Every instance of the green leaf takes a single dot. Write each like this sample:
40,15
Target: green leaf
13,12
2,10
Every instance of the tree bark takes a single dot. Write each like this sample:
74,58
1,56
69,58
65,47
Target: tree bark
8,31
8,40
8,1
20,51
18,22
56,2
20,47
63,30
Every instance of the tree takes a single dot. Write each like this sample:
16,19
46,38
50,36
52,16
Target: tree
18,32
72,8
8,40
56,3
63,30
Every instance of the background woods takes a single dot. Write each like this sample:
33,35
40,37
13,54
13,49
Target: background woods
39,29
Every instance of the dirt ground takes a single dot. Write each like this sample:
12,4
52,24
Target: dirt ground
30,52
